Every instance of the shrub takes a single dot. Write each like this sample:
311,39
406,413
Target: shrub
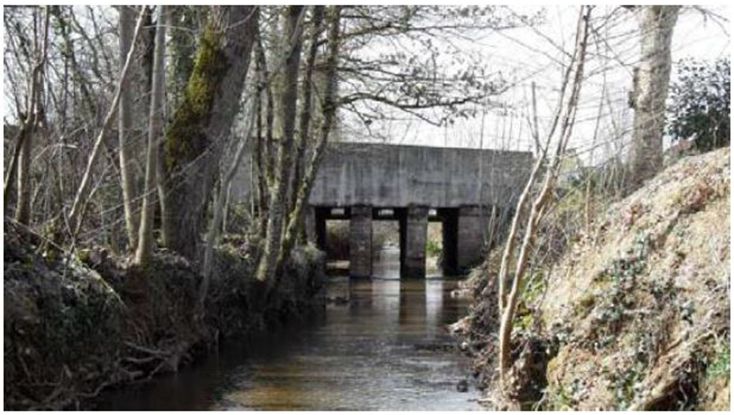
699,104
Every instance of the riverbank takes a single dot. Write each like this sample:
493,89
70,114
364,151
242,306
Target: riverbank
384,347
633,315
77,325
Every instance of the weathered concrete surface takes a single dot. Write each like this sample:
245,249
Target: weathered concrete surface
360,242
360,179
388,175
399,176
413,235
473,227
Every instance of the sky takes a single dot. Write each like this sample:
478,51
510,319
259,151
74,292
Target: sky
526,55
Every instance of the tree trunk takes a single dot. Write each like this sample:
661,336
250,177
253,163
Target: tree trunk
203,120
329,111
650,90
25,143
257,158
23,207
219,209
155,122
264,143
127,174
182,49
287,91
82,194
306,115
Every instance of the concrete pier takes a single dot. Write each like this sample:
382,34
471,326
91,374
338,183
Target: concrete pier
413,234
362,182
360,242
472,229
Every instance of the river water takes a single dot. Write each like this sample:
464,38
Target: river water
381,345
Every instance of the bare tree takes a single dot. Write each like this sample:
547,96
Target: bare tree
306,98
127,175
33,117
329,110
202,121
566,114
650,90
287,94
155,122
82,194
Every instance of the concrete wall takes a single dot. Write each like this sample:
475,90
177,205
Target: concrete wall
386,175
461,184
360,242
399,176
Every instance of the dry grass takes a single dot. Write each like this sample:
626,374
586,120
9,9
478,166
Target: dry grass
641,301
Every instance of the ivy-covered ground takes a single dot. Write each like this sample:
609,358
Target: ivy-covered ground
76,324
635,313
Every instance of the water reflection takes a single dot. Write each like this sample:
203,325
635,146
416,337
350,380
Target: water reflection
384,349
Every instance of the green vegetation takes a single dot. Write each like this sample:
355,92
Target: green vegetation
186,137
720,363
433,248
700,104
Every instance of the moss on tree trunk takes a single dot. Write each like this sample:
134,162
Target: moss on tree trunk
202,122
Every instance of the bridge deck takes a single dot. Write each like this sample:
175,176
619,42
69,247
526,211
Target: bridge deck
387,175
413,185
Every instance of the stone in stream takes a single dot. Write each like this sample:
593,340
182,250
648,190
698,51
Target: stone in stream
338,300
462,386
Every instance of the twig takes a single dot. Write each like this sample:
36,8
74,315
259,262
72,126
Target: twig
144,349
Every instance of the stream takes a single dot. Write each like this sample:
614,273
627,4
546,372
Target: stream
382,345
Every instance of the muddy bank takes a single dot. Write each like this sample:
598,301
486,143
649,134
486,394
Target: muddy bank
75,326
634,314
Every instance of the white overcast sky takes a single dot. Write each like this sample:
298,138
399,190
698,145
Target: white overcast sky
525,56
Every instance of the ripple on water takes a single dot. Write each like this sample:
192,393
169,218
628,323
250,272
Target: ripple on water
388,348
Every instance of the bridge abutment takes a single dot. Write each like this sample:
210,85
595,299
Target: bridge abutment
413,232
360,242
472,224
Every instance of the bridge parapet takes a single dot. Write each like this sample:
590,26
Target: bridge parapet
401,175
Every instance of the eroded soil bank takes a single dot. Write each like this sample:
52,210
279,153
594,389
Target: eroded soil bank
77,325
634,314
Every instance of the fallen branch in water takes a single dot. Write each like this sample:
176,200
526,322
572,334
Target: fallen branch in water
144,349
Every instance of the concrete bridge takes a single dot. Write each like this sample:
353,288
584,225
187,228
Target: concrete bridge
414,185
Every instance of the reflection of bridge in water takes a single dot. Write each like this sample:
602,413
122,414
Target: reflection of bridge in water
407,307
387,348
423,304
414,185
